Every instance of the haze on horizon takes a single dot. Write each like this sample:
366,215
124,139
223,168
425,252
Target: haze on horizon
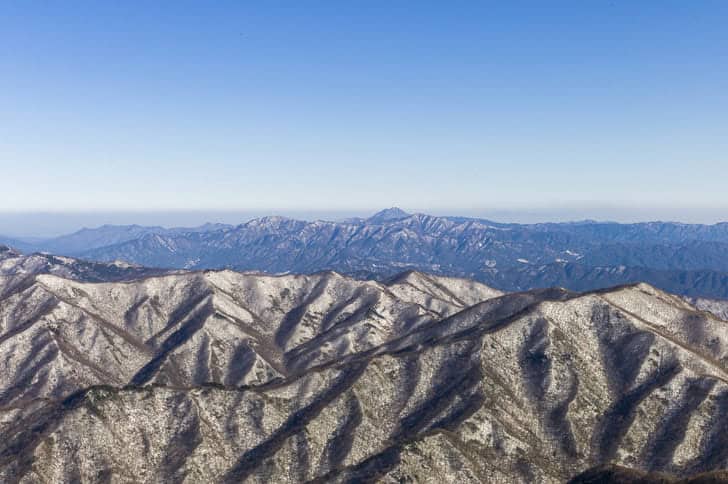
39,225
527,111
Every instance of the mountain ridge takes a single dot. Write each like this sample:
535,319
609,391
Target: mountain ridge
580,256
223,376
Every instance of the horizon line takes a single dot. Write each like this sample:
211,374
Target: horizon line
33,224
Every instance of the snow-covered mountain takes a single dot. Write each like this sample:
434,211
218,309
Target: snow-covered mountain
221,376
17,270
680,258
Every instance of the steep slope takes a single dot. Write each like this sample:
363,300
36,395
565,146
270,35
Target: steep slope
582,277
17,271
717,307
185,329
423,379
693,255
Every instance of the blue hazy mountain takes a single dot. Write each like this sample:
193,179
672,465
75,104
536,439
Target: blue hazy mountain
687,259
17,244
107,235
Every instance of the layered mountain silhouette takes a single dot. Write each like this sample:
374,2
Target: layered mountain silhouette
680,258
113,374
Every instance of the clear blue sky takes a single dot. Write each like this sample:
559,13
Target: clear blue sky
433,106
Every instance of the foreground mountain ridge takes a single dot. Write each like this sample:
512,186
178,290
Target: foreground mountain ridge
224,376
230,317
680,258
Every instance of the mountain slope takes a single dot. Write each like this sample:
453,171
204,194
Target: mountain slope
719,308
222,376
508,256
582,277
191,328
18,271
106,235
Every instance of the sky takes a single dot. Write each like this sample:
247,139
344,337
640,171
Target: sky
614,108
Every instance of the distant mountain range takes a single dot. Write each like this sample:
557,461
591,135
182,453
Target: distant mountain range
686,259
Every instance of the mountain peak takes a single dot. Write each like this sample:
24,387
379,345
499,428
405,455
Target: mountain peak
393,213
